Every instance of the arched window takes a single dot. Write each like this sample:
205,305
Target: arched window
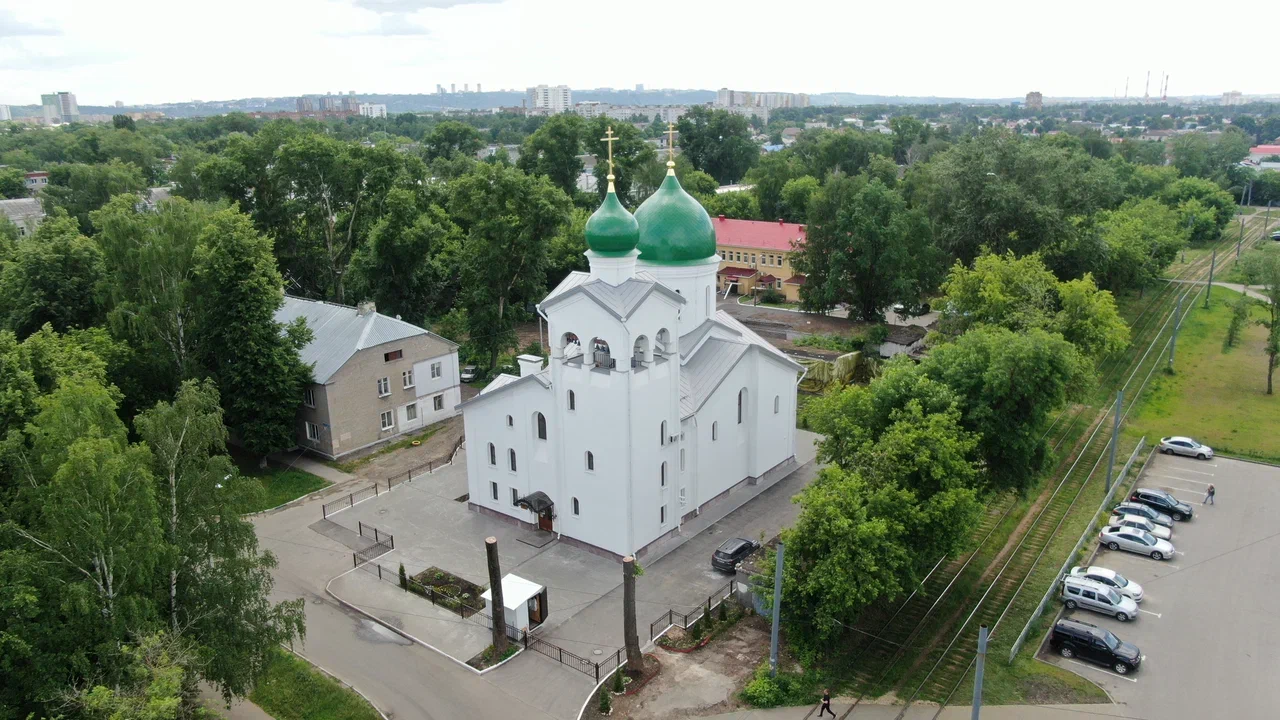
708,300
510,422
573,403
662,341
600,354
591,461
511,457
640,351
715,431
542,426
662,438
493,455
662,478
570,345
742,396
577,509
776,401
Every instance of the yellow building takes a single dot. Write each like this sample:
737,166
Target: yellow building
756,256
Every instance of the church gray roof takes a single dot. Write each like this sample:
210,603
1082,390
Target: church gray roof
620,300
340,331
706,365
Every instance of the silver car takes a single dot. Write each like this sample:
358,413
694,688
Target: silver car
1150,513
1141,523
1178,445
1136,541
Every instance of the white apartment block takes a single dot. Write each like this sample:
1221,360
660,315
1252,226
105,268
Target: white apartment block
551,98
373,110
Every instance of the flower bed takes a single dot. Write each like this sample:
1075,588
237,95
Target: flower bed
447,590
703,630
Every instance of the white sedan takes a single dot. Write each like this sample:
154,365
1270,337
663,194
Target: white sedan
1178,445
1111,579
1136,541
1141,523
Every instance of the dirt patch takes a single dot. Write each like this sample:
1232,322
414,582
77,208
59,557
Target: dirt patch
436,449
701,683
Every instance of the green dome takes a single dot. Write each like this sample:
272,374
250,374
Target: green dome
674,228
611,230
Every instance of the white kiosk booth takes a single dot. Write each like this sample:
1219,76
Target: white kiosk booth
525,601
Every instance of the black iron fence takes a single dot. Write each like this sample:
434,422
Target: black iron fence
673,618
428,467
587,667
343,503
466,607
374,551
367,530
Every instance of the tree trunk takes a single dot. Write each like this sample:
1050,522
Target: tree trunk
1271,369
173,538
496,608
629,634
493,349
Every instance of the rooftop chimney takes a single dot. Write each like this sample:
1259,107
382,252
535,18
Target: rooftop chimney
529,364
722,217
366,308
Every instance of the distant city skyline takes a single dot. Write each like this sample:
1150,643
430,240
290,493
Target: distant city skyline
158,52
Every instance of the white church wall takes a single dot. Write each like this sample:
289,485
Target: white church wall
695,283
776,431
486,422
655,421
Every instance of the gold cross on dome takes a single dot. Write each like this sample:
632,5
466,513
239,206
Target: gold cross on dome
608,139
671,142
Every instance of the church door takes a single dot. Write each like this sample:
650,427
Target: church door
544,520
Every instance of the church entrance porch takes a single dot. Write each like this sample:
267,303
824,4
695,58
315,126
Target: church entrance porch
544,520
541,505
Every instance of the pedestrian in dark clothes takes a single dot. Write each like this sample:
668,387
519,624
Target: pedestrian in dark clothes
1208,497
826,703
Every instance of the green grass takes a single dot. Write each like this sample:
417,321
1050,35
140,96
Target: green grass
1217,396
280,486
291,689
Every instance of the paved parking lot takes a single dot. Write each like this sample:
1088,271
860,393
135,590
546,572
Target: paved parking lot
1209,627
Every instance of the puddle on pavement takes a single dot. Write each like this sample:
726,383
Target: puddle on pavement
371,631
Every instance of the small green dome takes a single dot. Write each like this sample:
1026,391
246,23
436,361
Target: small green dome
674,228
611,230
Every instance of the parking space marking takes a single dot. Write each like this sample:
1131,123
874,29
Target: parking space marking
1197,472
1091,667
1148,612
1171,477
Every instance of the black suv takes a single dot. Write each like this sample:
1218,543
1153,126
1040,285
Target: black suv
1073,638
731,552
1162,501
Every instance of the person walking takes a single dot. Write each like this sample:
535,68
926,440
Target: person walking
1208,496
826,703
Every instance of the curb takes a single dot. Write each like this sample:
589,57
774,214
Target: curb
1251,461
409,637
344,683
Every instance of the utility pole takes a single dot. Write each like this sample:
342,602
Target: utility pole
1266,225
777,606
1177,323
496,608
1240,241
1115,434
1213,262
977,673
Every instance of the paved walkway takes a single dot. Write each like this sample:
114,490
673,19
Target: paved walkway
301,461
1254,291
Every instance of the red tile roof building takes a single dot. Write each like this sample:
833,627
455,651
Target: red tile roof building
756,254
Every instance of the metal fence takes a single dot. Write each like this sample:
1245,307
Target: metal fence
328,509
428,467
466,607
672,618
587,667
1084,537
367,530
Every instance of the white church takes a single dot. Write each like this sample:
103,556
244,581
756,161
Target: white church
654,405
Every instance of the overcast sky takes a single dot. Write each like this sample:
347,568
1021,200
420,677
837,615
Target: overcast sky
151,51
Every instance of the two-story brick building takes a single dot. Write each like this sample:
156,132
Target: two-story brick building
375,377
756,256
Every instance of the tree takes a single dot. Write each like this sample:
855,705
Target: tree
53,278
565,251
845,151
253,358
770,175
630,636
159,673
796,195
409,266
452,138
553,151
1008,384
218,583
81,189
1263,268
1020,294
507,217
13,184
1211,198
864,247
1239,316
907,131
630,153
718,143
1141,239
123,122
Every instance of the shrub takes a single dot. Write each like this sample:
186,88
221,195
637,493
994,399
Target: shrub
724,611
617,681
772,296
606,703
785,689
696,629
404,579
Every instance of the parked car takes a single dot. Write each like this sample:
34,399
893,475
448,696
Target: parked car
1090,595
468,373
1141,523
1136,541
1275,235
1146,511
1111,579
1074,638
1185,446
731,553
1162,501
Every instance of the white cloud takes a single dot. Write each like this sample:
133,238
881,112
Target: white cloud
396,25
11,26
404,6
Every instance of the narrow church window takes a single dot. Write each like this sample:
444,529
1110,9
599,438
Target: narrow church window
515,498
741,394
511,455
573,404
715,431
493,454
681,459
662,439
542,426
493,489
662,515
510,422
775,404
708,301
663,472
591,461
577,509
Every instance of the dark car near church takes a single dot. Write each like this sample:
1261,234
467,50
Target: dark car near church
732,552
